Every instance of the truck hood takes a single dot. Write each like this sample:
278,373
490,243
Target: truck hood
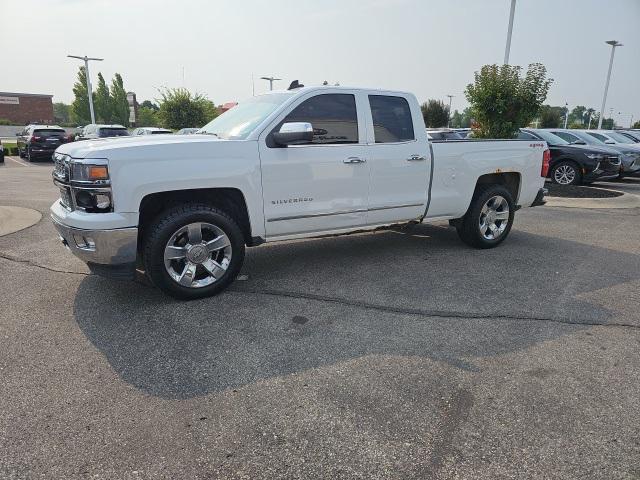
126,146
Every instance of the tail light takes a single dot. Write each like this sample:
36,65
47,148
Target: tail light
546,158
36,139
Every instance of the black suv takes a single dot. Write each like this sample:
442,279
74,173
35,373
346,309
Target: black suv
575,164
39,141
95,130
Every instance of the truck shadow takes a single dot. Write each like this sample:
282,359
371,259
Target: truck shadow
316,303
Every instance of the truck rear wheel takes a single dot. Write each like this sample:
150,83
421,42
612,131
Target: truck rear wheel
489,218
193,251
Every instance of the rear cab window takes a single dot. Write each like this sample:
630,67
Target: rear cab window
392,120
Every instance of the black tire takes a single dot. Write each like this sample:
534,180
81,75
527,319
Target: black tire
169,222
468,227
569,167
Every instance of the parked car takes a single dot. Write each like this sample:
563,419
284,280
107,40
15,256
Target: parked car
445,135
37,141
308,162
187,131
632,134
575,164
630,154
96,130
150,131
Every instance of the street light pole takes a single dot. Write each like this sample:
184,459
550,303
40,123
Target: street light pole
614,44
507,49
86,71
566,114
270,80
449,115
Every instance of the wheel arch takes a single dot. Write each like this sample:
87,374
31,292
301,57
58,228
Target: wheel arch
230,200
510,180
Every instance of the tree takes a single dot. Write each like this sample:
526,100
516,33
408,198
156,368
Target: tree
179,108
151,105
435,113
551,117
62,113
80,105
119,102
147,117
102,101
578,115
502,100
636,125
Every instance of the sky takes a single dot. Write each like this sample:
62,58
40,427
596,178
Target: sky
429,47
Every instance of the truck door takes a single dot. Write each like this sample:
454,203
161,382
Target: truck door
322,185
399,158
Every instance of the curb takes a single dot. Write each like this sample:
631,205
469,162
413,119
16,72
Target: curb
626,200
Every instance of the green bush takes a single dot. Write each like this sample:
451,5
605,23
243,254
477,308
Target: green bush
4,121
503,100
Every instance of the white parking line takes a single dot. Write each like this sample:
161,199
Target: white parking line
19,161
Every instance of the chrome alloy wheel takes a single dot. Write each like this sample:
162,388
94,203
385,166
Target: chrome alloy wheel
564,174
494,217
197,255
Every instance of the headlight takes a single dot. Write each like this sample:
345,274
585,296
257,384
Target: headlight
595,156
91,186
90,173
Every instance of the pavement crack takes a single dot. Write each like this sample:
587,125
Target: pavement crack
425,312
10,258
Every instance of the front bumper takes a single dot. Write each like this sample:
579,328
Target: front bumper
103,250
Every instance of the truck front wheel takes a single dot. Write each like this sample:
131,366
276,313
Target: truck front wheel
193,250
489,218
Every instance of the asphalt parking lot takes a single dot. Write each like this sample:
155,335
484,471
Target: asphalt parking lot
400,354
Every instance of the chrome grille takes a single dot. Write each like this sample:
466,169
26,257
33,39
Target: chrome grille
61,167
65,198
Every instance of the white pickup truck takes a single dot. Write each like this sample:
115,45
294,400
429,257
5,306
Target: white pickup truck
307,162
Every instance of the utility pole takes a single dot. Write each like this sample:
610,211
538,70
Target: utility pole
86,71
566,114
449,115
614,44
270,80
507,49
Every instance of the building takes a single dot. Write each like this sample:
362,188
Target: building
133,109
24,108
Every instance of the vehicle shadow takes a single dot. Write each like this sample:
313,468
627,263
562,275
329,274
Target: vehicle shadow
347,297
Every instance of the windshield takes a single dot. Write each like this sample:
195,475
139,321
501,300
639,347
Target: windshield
588,139
550,138
238,122
618,137
114,132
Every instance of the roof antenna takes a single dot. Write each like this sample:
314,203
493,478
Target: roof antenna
295,84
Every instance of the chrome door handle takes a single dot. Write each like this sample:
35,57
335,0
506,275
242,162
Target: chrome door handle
416,158
354,160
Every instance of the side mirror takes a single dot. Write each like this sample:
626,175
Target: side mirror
578,142
294,133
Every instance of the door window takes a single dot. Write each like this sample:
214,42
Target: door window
333,117
391,119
